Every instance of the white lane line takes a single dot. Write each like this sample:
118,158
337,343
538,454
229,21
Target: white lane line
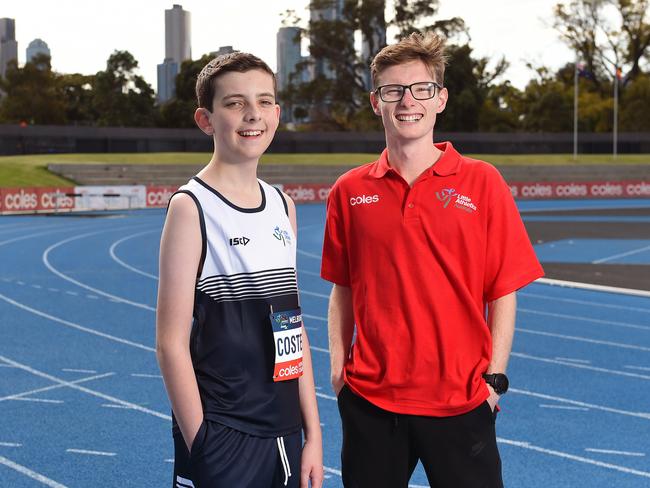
110,405
638,368
31,474
169,460
86,390
46,261
53,289
21,283
38,287
309,254
314,317
10,444
319,349
36,400
574,360
582,302
572,457
585,319
310,273
73,293
144,375
584,339
618,411
91,453
621,255
323,395
76,326
590,287
581,366
92,297
53,387
73,370
562,407
128,266
29,236
612,451
314,294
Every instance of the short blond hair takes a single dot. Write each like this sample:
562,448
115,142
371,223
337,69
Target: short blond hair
428,48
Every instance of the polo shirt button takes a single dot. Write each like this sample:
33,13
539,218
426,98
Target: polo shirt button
411,205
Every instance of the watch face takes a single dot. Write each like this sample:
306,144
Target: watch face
500,383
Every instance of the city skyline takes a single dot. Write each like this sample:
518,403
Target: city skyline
91,31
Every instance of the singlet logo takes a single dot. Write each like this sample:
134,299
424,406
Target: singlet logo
239,241
463,202
282,235
364,199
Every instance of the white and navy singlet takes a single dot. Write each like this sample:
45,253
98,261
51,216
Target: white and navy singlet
247,268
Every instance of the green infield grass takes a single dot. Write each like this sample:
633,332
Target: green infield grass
31,170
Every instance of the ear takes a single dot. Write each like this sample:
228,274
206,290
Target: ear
202,119
278,111
443,96
374,102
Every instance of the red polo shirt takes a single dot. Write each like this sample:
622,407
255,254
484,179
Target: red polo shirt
422,263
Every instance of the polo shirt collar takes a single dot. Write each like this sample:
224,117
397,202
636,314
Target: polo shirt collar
448,164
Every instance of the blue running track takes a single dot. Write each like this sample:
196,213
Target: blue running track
82,401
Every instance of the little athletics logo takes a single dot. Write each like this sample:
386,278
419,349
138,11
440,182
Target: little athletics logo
462,202
282,235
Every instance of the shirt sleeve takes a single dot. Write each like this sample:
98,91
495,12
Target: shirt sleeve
511,262
334,265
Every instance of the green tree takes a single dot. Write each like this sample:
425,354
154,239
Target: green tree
634,113
606,34
179,111
121,97
77,93
32,94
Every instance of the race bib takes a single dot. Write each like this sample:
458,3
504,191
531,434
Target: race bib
287,338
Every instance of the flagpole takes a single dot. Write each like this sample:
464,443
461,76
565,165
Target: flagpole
575,110
615,131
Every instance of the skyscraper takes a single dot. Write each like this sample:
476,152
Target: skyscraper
372,43
36,47
8,44
178,34
288,54
332,10
177,49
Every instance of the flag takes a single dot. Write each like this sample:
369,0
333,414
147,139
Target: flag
584,72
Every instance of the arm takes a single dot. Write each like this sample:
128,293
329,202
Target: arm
340,322
312,452
180,252
501,321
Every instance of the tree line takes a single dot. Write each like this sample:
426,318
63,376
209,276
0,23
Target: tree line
610,38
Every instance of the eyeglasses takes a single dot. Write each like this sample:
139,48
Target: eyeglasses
422,90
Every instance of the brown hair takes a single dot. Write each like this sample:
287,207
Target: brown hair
236,61
428,48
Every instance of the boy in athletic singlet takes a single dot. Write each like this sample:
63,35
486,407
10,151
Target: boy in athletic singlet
229,335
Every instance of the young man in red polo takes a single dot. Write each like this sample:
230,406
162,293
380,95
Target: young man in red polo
420,244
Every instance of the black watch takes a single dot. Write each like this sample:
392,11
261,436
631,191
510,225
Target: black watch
498,381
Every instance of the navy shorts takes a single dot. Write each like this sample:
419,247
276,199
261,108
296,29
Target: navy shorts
222,457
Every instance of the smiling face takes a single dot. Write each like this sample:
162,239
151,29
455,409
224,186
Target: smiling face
408,120
244,115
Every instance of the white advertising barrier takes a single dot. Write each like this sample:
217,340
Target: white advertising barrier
116,197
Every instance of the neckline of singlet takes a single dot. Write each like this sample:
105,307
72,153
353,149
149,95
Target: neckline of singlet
229,203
